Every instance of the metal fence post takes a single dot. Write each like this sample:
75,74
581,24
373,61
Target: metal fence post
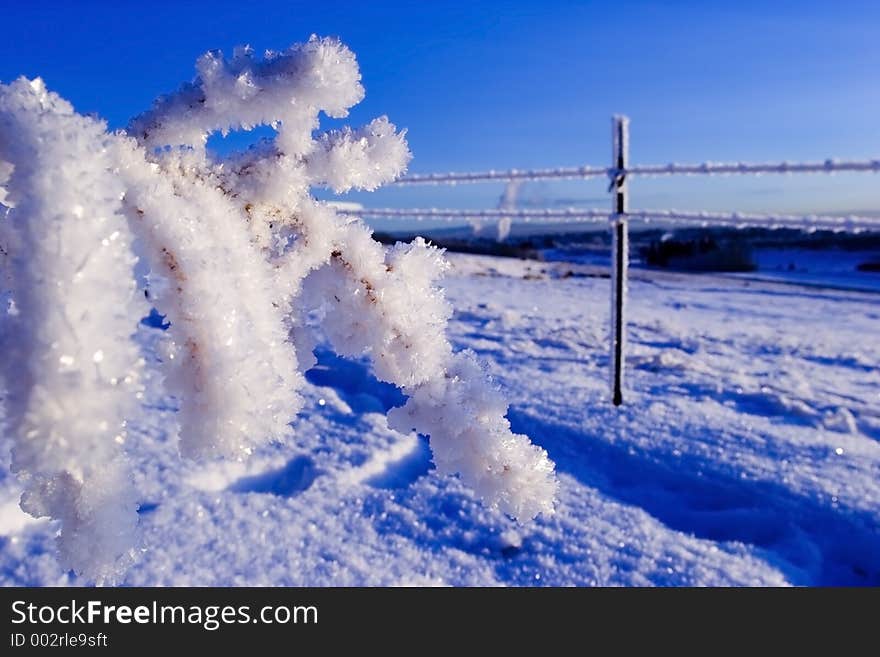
619,254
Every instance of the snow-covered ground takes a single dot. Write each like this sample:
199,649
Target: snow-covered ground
748,452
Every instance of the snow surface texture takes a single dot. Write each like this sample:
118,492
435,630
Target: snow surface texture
747,452
251,272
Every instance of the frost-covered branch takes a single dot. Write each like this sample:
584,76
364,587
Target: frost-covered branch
70,369
361,159
241,256
228,360
285,90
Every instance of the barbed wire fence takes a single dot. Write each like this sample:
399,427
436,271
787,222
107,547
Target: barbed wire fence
619,215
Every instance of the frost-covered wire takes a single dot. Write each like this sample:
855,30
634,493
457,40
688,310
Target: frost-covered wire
509,175
577,215
584,172
734,168
748,220
574,215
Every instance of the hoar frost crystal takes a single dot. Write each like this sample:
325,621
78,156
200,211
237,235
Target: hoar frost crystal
249,268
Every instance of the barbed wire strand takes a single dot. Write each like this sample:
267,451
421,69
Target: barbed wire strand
650,170
578,215
749,220
571,214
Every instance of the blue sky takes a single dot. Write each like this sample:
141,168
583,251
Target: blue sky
517,84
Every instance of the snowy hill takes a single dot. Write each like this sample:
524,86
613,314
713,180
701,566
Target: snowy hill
748,452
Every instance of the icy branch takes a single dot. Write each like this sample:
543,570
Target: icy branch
285,89
228,360
69,366
362,159
240,256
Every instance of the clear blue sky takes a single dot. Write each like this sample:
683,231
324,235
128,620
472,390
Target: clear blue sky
519,84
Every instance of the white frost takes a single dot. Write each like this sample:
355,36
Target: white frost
69,366
250,270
